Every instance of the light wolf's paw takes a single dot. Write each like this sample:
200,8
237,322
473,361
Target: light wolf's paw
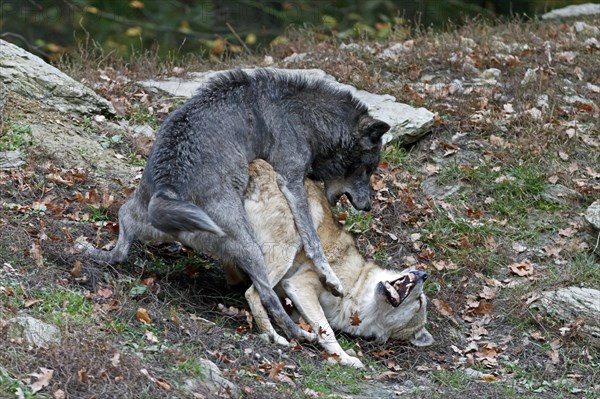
347,360
275,338
333,284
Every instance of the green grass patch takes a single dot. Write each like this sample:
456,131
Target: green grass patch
15,136
398,157
454,380
59,306
98,214
331,379
462,241
358,222
581,269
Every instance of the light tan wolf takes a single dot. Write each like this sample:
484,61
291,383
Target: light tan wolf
378,303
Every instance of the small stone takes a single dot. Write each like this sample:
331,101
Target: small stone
491,73
11,159
296,57
592,214
211,383
582,27
530,76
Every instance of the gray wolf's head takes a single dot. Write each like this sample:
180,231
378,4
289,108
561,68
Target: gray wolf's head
401,307
354,178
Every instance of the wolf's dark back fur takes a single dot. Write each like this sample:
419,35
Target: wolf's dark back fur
246,117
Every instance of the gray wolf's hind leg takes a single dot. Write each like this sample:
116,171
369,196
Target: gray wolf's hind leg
240,248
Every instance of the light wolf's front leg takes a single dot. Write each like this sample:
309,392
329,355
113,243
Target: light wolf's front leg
302,290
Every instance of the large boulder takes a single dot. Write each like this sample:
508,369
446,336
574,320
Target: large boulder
573,11
408,124
35,332
30,76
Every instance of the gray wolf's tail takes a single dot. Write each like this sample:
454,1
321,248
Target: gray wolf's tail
168,213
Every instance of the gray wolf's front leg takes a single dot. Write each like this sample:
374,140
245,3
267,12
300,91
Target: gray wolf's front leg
296,198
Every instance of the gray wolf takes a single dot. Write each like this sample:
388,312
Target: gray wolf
193,185
379,303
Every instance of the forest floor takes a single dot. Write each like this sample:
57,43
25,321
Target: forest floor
490,203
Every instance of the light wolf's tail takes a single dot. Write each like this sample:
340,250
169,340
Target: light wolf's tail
169,213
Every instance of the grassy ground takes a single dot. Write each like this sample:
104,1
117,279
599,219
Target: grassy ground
472,202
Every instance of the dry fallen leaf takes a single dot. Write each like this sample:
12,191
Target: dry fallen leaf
354,319
104,292
442,307
304,325
524,268
142,315
37,254
43,379
30,302
276,368
116,359
76,270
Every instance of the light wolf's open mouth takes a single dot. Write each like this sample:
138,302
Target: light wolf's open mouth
398,290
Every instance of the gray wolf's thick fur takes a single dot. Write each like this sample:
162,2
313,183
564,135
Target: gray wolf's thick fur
193,185
379,303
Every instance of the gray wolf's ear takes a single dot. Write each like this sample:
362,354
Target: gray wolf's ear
374,129
422,338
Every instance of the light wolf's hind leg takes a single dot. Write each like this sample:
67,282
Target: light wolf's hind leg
278,263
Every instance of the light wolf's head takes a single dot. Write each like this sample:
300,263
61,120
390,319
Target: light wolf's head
400,308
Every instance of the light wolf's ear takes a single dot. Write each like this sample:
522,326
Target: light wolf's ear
422,338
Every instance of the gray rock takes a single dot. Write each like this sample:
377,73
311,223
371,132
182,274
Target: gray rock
433,190
592,214
408,124
491,73
211,384
357,48
296,57
34,331
393,52
559,194
143,130
582,27
573,11
530,76
570,303
10,159
30,76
